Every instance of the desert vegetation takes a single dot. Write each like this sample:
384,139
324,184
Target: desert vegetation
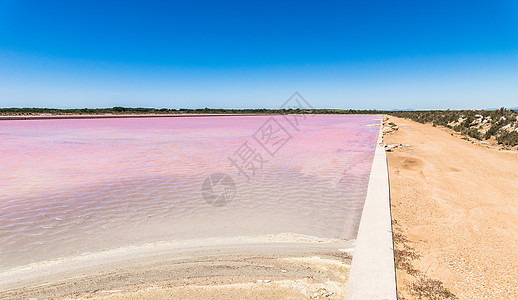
418,284
500,125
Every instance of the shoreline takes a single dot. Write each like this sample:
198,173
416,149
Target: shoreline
290,264
138,116
108,116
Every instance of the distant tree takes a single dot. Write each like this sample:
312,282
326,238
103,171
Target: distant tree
118,109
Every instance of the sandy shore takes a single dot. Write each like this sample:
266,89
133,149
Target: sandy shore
455,205
278,267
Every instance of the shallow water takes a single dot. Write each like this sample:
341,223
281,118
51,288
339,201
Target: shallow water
69,187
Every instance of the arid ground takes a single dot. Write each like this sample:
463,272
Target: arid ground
455,215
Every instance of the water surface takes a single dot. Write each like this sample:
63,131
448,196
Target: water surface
73,186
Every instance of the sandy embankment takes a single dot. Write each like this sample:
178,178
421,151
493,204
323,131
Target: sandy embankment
273,267
457,204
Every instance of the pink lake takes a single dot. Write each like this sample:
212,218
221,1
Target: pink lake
84,185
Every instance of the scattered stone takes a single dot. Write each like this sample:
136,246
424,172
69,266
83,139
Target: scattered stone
391,147
323,293
263,280
388,126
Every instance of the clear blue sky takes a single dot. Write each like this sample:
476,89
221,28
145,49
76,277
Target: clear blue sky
243,54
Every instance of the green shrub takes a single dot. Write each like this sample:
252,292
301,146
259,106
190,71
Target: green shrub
507,138
473,132
466,123
492,131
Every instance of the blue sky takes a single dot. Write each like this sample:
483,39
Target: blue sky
243,54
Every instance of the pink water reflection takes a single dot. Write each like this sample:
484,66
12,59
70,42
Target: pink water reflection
70,186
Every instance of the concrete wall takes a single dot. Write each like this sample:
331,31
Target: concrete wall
372,273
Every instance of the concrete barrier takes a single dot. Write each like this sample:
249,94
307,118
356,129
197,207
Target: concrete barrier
372,273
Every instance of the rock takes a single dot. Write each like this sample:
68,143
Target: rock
264,281
390,147
324,293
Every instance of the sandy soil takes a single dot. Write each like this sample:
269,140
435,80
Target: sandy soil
456,204
309,270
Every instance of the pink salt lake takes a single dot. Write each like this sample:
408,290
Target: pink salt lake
84,185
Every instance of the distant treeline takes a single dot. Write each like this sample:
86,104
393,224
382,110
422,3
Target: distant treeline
480,124
144,110
439,117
